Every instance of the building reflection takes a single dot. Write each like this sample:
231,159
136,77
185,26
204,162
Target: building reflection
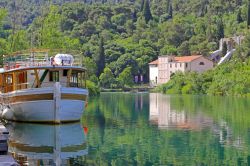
163,114
37,144
166,117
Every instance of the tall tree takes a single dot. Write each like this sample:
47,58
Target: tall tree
142,5
100,60
170,10
220,29
224,48
238,2
125,77
248,14
146,11
107,78
134,16
239,18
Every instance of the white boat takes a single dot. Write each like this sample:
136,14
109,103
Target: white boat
42,86
40,144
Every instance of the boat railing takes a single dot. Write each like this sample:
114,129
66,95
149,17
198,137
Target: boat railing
34,59
30,85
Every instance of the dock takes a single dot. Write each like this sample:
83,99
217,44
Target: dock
5,158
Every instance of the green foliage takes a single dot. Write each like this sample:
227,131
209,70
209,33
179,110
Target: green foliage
135,32
146,11
93,88
220,29
194,141
239,18
170,9
228,79
90,65
248,14
107,79
100,59
125,79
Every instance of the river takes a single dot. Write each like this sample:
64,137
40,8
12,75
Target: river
142,129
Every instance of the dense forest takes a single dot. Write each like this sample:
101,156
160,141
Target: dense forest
118,38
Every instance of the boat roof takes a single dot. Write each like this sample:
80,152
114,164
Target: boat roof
42,59
42,67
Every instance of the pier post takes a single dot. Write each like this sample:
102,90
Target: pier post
57,102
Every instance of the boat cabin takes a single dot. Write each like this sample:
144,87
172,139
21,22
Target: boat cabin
36,73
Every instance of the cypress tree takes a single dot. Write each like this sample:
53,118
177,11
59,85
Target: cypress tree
134,16
220,29
238,2
100,60
170,10
224,48
142,5
239,18
167,6
248,14
146,11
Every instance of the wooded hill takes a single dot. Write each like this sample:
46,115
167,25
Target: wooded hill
119,38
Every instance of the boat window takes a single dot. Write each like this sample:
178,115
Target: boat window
9,79
74,80
54,76
21,78
9,83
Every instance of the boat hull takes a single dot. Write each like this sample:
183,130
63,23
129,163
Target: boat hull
41,142
46,105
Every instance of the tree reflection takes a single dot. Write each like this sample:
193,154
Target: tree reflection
167,130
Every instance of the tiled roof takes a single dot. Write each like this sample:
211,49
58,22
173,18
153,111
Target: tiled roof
154,62
179,59
186,58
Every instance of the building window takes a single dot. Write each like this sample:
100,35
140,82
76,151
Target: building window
175,64
170,65
201,63
54,76
186,65
180,64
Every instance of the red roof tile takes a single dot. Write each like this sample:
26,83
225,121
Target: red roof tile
179,59
187,58
154,62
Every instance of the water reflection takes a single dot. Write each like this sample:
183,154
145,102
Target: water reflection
174,112
165,116
37,144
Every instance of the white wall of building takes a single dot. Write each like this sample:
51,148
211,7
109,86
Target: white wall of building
153,75
163,68
167,66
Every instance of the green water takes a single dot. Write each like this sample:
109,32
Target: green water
144,129
155,129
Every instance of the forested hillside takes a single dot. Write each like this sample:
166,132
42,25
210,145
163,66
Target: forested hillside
118,38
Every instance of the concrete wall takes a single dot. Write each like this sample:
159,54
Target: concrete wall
231,42
196,65
177,66
163,68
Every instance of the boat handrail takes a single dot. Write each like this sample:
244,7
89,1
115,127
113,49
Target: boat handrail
35,59
30,85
